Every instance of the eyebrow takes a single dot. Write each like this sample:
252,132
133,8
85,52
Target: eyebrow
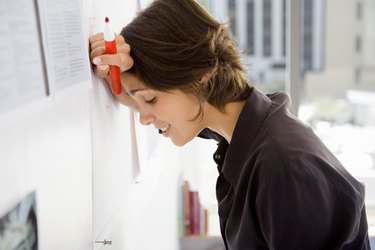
133,91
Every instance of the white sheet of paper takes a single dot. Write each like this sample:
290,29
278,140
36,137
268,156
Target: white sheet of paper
22,74
65,43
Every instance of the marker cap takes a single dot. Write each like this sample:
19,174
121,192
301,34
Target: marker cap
109,35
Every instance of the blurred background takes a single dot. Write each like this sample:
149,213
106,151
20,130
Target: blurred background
336,91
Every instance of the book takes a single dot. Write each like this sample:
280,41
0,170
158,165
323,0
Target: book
186,207
192,216
195,213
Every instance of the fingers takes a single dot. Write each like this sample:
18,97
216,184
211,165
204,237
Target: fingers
98,40
124,61
97,49
96,37
101,71
123,50
99,57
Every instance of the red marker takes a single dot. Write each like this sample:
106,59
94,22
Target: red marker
110,48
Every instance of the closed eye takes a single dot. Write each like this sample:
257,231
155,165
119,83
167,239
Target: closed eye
151,101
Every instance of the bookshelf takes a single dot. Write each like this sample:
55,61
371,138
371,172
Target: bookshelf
198,219
193,216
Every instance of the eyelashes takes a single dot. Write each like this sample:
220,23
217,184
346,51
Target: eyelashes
151,101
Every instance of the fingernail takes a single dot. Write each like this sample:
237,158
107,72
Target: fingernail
97,60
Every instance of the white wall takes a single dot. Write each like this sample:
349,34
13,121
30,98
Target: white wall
50,152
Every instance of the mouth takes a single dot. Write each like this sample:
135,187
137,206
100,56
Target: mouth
164,129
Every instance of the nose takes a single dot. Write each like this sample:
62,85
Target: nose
146,118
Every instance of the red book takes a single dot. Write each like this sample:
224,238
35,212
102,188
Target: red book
195,212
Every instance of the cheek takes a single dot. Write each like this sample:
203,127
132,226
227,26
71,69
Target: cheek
186,112
184,131
182,119
177,109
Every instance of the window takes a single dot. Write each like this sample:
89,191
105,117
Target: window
267,28
250,27
339,100
307,28
284,28
359,11
337,92
358,44
232,16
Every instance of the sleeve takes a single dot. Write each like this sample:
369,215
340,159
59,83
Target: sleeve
301,209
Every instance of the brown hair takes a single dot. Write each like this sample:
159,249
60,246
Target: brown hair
174,43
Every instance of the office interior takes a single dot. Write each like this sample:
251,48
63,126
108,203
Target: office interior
87,175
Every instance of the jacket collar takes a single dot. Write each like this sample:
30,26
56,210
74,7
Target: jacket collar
247,127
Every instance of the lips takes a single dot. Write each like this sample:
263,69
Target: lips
164,129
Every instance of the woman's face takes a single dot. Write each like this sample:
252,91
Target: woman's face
171,112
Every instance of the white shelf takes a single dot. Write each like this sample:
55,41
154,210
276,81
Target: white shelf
202,243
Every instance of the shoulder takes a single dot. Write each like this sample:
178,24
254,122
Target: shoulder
304,173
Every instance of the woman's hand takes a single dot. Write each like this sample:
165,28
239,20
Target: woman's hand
101,62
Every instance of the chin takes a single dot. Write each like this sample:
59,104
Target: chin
179,142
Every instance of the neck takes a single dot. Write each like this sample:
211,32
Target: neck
224,123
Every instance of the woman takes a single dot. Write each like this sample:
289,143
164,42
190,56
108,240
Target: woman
279,187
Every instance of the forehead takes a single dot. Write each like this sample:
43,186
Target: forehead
131,81
133,84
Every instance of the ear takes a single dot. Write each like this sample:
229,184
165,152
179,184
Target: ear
204,79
